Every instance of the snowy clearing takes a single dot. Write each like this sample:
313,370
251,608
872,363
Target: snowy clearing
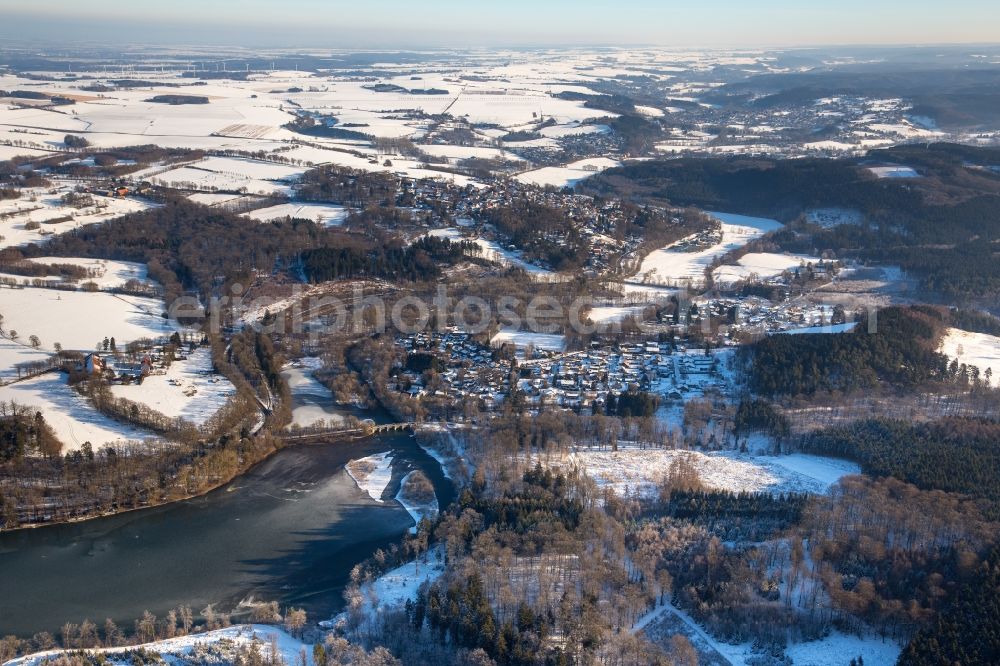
105,273
894,172
393,588
188,390
978,349
80,320
762,266
835,650
72,417
837,647
522,339
568,175
610,314
324,214
670,265
639,471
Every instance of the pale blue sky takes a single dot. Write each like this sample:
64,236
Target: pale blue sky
397,23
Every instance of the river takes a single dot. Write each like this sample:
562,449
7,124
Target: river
290,529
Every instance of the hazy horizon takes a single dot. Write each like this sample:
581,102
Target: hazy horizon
393,24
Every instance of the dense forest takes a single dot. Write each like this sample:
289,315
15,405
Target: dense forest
356,189
189,247
23,432
955,455
542,233
533,554
940,226
966,632
900,350
421,260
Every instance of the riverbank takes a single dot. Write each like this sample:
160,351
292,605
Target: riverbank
290,530
244,466
245,458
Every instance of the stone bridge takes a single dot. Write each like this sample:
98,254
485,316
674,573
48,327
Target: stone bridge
366,429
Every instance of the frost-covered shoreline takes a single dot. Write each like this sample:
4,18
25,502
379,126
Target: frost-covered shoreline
372,473
289,648
414,502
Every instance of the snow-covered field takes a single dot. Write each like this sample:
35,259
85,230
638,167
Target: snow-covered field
569,175
458,153
321,213
894,172
213,198
45,206
491,251
74,420
837,647
978,349
15,353
829,328
763,265
372,474
670,265
106,274
78,319
449,233
609,314
10,152
521,339
639,471
289,648
189,389
189,176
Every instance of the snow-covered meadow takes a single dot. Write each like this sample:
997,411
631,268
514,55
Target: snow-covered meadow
80,319
522,339
188,389
103,273
568,175
671,265
762,265
70,414
324,214
45,207
978,349
632,470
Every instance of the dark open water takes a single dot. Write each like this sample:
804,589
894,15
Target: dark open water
290,529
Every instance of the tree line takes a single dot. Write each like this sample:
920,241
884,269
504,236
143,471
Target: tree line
900,350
